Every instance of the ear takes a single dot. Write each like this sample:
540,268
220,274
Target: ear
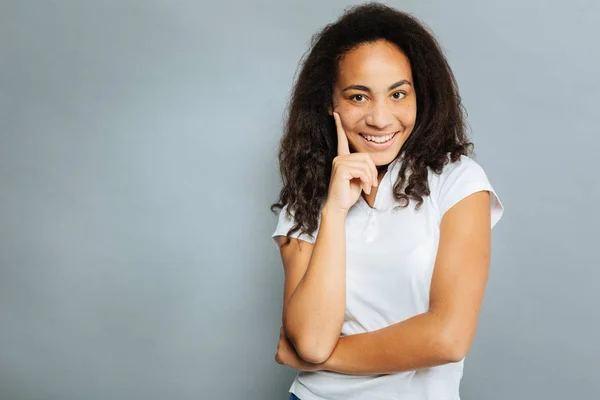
330,110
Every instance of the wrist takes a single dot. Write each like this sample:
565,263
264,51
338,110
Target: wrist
333,212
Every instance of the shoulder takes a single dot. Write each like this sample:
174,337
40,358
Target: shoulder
458,180
287,220
463,171
464,164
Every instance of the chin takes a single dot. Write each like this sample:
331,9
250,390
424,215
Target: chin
382,157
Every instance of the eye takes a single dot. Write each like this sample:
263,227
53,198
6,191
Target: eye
399,95
357,97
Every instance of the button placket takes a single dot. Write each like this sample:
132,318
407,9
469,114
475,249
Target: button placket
371,227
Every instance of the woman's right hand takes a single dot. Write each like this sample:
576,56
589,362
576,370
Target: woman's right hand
350,174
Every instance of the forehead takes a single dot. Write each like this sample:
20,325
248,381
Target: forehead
378,62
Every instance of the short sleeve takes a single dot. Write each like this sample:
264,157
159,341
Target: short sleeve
461,179
284,224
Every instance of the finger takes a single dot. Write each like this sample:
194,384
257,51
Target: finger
363,165
358,172
372,169
343,147
366,188
364,160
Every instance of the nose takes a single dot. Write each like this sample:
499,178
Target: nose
379,116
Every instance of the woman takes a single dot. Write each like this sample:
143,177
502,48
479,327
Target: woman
385,220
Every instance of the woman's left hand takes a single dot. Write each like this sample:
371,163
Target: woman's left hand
286,355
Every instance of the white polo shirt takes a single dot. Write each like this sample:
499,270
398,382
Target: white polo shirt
390,256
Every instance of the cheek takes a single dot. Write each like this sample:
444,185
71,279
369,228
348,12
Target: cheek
408,114
350,117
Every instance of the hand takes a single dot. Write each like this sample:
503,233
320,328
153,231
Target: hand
350,173
286,355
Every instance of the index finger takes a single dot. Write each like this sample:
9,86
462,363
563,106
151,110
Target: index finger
343,147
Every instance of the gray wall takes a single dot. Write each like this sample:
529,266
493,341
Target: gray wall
138,160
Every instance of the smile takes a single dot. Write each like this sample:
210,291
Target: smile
378,139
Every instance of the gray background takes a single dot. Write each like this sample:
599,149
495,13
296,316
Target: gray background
138,162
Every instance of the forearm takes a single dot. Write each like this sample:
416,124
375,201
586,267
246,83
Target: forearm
409,345
315,311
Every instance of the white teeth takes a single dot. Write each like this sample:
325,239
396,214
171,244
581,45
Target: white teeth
378,139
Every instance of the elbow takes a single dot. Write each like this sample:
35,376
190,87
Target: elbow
313,352
313,348
450,339
452,348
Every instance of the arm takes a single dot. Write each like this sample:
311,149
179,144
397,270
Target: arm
313,314
315,289
445,332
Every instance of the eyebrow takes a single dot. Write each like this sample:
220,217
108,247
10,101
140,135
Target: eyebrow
368,90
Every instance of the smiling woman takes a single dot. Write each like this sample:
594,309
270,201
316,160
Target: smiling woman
385,219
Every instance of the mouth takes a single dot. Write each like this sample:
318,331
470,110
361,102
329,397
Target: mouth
378,142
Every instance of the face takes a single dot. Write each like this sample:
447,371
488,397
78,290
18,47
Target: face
375,98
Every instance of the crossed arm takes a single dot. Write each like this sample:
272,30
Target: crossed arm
445,332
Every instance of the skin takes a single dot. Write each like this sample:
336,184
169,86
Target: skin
374,94
314,288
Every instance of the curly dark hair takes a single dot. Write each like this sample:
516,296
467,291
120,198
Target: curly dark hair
309,142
